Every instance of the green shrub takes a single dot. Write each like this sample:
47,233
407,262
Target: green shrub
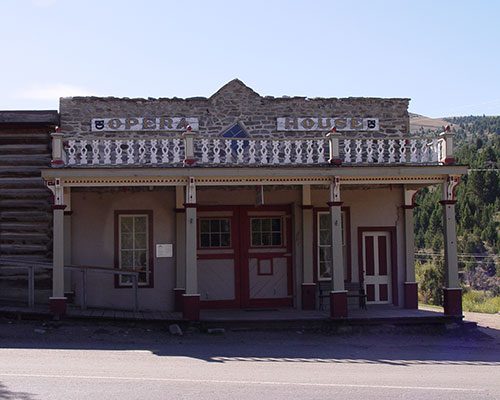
480,301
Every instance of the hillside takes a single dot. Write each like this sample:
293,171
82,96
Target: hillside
421,123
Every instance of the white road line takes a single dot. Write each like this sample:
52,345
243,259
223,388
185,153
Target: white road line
217,381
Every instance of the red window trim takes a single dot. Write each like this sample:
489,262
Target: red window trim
198,228
149,214
272,246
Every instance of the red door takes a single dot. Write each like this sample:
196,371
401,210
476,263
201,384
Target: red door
244,256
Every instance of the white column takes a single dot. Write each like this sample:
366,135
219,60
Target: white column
307,236
67,240
191,242
180,242
409,233
336,220
450,232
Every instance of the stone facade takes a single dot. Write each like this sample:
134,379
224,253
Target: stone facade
233,103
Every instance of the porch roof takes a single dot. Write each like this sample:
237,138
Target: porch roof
210,176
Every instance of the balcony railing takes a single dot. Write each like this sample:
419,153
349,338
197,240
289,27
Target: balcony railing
190,149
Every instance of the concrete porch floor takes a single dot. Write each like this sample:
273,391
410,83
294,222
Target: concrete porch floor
375,314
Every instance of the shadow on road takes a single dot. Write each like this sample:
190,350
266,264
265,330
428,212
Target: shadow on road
382,345
6,394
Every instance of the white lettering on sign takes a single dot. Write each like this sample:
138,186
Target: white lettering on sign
144,124
325,124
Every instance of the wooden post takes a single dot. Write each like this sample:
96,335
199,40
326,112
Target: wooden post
334,147
308,285
189,158
410,286
57,149
447,157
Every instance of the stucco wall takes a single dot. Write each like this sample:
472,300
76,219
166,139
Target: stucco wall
93,224
93,244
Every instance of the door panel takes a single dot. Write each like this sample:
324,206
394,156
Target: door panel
216,279
376,253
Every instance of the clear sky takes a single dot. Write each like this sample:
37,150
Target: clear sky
444,55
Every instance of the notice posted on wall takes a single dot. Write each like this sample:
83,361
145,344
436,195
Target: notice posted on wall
164,250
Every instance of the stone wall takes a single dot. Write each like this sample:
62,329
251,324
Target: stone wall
233,103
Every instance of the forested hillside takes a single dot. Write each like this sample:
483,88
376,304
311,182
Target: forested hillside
478,213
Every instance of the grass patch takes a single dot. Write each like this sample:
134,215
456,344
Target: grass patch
480,301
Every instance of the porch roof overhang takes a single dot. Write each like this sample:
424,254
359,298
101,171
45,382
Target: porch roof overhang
356,175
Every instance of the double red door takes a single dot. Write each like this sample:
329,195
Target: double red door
244,256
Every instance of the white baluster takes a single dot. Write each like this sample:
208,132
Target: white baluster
118,151
275,151
347,150
251,152
288,151
298,151
154,151
392,151
216,148
177,150
309,152
95,151
107,152
142,151
204,150
321,151
83,152
71,152
239,151
228,152
164,151
380,149
413,151
130,152
369,150
263,145
402,150
359,151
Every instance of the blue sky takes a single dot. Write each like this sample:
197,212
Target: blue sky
444,55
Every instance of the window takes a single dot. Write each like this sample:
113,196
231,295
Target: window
266,232
215,233
324,251
134,246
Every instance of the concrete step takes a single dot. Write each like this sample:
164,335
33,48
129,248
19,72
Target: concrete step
24,149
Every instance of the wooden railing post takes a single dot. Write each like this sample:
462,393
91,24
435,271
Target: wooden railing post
446,157
189,158
57,149
334,147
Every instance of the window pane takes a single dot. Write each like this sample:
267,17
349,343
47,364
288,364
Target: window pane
225,240
127,259
204,240
266,224
225,225
140,241
140,258
324,270
325,254
143,277
127,241
205,226
256,239
324,221
325,237
140,224
266,239
276,239
126,224
214,225
255,225
214,240
276,224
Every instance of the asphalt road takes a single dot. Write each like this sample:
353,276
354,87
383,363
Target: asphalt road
85,361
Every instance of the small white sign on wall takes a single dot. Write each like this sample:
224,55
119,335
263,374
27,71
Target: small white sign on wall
164,250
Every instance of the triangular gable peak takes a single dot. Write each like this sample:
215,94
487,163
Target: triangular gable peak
235,90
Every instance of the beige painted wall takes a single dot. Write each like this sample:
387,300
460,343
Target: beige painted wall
92,237
372,207
93,224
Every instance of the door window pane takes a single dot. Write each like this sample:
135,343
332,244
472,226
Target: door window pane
266,232
215,233
133,247
324,250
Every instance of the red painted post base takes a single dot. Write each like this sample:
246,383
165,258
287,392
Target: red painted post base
191,307
57,306
338,304
335,161
308,296
452,302
411,295
178,292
